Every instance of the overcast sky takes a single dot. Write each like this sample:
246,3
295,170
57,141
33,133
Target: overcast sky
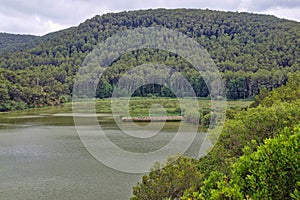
39,17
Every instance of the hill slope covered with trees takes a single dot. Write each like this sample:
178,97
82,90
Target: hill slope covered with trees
12,42
256,156
250,50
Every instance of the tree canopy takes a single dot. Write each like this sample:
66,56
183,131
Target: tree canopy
251,51
256,157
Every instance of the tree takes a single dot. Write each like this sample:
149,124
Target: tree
270,172
273,171
251,51
168,180
105,90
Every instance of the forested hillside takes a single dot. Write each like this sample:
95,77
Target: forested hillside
250,50
12,42
256,156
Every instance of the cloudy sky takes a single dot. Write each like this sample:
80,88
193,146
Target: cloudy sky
39,17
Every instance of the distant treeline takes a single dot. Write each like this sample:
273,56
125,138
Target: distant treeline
251,51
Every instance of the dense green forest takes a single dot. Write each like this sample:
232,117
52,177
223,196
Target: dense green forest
256,157
12,42
251,51
257,154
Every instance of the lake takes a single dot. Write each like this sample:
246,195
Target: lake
42,156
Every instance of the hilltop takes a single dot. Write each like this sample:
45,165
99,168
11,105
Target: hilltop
251,51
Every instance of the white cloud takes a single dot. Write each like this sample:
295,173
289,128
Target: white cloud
286,13
287,9
261,5
30,25
53,26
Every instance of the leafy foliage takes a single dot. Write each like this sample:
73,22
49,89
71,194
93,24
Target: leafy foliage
257,154
252,126
271,172
251,51
168,180
12,42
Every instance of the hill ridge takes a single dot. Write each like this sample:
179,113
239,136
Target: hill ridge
251,51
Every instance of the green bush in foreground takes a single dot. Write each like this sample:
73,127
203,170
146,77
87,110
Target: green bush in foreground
169,180
271,172
256,157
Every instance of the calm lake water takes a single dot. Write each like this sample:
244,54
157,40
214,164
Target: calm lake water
42,157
